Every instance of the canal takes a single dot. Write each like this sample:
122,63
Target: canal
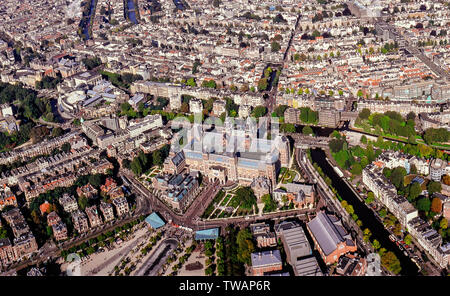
131,11
364,213
86,23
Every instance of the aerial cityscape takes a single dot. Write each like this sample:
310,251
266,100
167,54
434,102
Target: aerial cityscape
225,138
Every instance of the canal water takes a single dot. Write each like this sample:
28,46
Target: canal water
88,20
178,4
132,12
364,213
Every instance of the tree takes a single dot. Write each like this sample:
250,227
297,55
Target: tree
307,130
312,116
82,202
157,158
363,139
436,205
136,166
91,63
246,196
424,204
433,187
391,262
259,111
275,46
443,224
209,83
336,145
366,234
408,239
364,114
126,163
49,231
440,135
245,246
66,147
376,244
57,131
288,128
95,180
3,233
413,169
209,270
411,116
370,197
414,191
397,176
263,84
279,111
191,82
356,169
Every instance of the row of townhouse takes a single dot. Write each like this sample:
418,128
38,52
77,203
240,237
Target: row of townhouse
402,107
174,93
33,187
43,148
435,120
375,181
63,160
428,238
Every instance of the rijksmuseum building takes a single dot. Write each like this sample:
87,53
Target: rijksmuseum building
230,156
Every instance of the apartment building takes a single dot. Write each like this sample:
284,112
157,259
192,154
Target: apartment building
292,115
121,205
109,185
430,240
195,106
88,191
219,107
329,117
350,265
403,107
7,255
68,202
80,221
437,169
107,211
58,227
17,222
7,198
93,216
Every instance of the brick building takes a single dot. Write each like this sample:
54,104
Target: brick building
330,237
265,262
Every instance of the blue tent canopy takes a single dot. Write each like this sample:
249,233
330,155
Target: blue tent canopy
154,221
212,233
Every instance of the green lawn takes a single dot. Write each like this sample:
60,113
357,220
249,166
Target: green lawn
235,202
226,199
289,177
